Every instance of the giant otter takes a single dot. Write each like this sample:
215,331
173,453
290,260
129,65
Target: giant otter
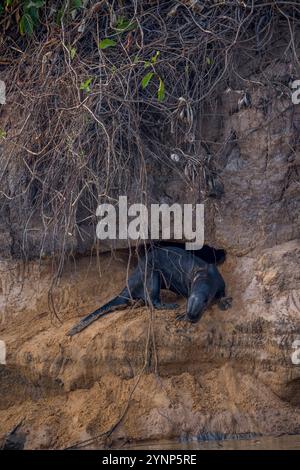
171,268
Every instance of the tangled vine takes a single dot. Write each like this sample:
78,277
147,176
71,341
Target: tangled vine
101,95
103,92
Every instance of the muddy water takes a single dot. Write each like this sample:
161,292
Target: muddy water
285,442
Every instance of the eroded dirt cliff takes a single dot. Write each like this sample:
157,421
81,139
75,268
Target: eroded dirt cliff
231,373
153,375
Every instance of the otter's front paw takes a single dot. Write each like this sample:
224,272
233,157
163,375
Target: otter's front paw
225,303
181,316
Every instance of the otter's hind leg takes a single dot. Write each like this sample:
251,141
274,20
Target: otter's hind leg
224,303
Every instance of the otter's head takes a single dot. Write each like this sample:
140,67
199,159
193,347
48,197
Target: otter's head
198,299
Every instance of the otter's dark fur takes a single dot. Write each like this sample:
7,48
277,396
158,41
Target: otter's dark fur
169,268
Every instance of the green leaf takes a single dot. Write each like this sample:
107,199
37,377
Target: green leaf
59,16
85,86
34,15
208,61
76,4
35,4
105,43
26,24
2,134
123,24
72,52
155,57
146,79
161,90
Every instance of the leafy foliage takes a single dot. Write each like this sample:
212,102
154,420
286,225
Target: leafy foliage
110,89
107,42
27,13
123,24
86,85
2,133
161,90
147,78
72,52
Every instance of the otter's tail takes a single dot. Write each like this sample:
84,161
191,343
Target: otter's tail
114,304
